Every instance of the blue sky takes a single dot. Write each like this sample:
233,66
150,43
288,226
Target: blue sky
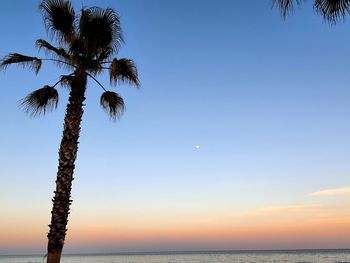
265,99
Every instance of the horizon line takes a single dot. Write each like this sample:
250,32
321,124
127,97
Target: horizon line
172,252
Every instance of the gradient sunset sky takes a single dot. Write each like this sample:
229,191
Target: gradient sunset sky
265,100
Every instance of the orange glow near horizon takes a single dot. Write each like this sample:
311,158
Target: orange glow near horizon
317,229
283,234
291,227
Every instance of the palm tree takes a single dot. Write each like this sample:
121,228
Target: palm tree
332,11
86,45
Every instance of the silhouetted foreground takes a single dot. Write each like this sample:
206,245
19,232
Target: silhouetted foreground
87,44
332,11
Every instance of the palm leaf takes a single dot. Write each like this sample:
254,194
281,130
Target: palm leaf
105,54
59,19
286,6
100,29
59,52
22,60
94,65
66,81
332,10
41,100
123,70
113,104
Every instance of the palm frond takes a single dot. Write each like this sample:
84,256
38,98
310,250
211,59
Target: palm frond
123,70
65,81
59,19
286,6
100,29
113,104
58,52
105,54
94,65
332,10
40,101
22,60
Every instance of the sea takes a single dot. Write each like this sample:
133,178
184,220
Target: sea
294,256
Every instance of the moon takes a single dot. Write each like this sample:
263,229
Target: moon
197,146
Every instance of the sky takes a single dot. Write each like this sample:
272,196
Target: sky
237,139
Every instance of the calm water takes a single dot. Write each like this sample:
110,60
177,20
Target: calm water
317,256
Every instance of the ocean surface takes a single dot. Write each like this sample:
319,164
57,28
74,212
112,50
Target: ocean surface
295,256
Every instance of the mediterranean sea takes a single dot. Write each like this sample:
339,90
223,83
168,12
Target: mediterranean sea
293,256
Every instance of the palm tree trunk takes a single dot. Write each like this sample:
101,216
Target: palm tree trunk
67,155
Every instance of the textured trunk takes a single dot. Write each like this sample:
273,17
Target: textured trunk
67,155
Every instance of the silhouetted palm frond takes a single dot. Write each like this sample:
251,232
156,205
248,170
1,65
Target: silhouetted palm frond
123,70
58,52
286,6
59,19
41,100
113,104
332,10
105,54
22,60
94,66
66,81
100,29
